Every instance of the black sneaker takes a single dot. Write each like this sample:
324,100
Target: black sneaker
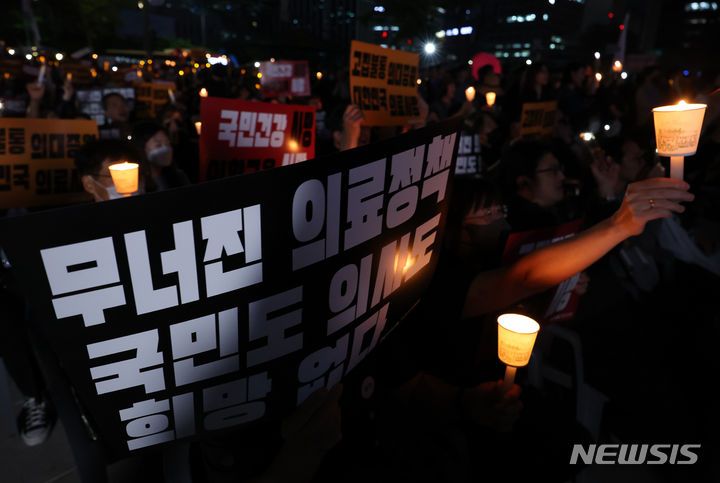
35,422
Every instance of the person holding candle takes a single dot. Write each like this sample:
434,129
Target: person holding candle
93,164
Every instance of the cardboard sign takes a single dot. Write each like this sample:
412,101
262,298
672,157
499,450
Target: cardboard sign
383,82
564,301
36,161
285,78
151,97
227,303
538,118
469,155
240,137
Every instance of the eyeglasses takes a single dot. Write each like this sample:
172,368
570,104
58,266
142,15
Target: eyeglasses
554,170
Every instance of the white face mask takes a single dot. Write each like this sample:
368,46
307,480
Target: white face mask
161,156
113,193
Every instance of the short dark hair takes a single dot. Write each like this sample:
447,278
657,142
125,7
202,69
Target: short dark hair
108,96
522,159
90,157
143,131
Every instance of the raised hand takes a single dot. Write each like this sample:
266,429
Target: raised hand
648,200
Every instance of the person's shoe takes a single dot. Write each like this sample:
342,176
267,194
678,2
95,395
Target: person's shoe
35,422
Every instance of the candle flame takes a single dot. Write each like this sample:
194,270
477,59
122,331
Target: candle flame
470,93
293,145
203,92
682,102
123,166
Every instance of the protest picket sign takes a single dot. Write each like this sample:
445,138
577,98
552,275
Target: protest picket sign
284,78
225,304
563,300
469,155
383,82
240,137
36,161
538,118
90,101
151,97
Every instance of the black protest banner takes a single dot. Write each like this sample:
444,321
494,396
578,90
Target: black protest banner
225,304
469,154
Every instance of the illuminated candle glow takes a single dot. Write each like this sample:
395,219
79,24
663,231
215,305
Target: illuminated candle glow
198,127
516,338
470,94
490,98
677,132
203,92
125,177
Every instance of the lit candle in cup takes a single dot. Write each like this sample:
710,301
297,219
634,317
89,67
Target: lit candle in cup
677,132
125,177
516,338
470,94
490,98
198,127
203,92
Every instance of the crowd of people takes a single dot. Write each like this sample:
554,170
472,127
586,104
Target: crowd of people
647,265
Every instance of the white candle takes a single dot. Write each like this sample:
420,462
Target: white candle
509,378
41,75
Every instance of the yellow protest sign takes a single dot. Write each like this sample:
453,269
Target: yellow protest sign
36,161
383,82
151,96
538,118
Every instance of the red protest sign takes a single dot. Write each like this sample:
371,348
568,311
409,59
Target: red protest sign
565,300
239,137
285,77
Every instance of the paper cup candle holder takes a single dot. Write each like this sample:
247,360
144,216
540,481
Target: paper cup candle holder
125,177
490,98
677,132
516,338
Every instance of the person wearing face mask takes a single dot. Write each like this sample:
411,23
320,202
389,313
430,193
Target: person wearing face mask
154,142
93,164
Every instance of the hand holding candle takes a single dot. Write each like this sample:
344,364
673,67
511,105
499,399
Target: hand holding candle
125,177
516,338
470,94
677,132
